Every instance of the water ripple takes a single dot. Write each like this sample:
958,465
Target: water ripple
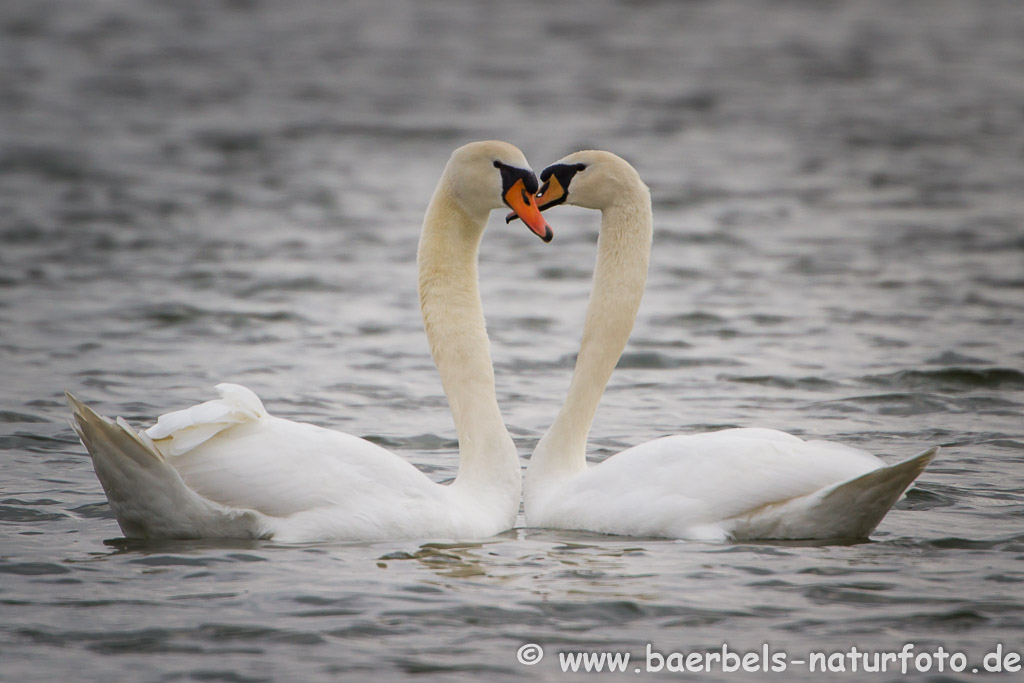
32,568
951,379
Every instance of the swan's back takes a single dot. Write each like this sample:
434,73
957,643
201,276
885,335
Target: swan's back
696,486
280,468
226,468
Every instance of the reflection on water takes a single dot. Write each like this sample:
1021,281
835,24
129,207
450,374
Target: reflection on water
447,560
200,192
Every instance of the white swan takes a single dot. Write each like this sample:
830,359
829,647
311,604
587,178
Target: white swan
730,484
227,468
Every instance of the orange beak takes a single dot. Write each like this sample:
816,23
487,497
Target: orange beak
550,194
524,205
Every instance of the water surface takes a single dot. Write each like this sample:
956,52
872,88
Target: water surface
199,192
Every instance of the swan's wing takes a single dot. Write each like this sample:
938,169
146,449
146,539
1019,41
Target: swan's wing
231,451
686,486
280,468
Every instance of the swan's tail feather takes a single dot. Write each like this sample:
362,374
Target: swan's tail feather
868,498
847,510
148,496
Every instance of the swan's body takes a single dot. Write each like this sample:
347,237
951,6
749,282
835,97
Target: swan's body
226,468
735,483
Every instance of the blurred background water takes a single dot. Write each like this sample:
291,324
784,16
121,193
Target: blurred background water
195,192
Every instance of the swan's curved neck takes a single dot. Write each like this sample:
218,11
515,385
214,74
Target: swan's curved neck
454,322
620,274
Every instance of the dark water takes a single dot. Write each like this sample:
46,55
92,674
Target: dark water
196,192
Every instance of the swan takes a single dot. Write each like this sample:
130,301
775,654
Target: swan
229,469
733,484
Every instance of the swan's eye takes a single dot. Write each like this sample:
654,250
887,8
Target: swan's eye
581,167
544,188
510,174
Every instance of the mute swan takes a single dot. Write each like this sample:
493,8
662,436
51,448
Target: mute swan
731,484
227,468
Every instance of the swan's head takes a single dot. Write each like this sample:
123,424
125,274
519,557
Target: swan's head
491,175
592,179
